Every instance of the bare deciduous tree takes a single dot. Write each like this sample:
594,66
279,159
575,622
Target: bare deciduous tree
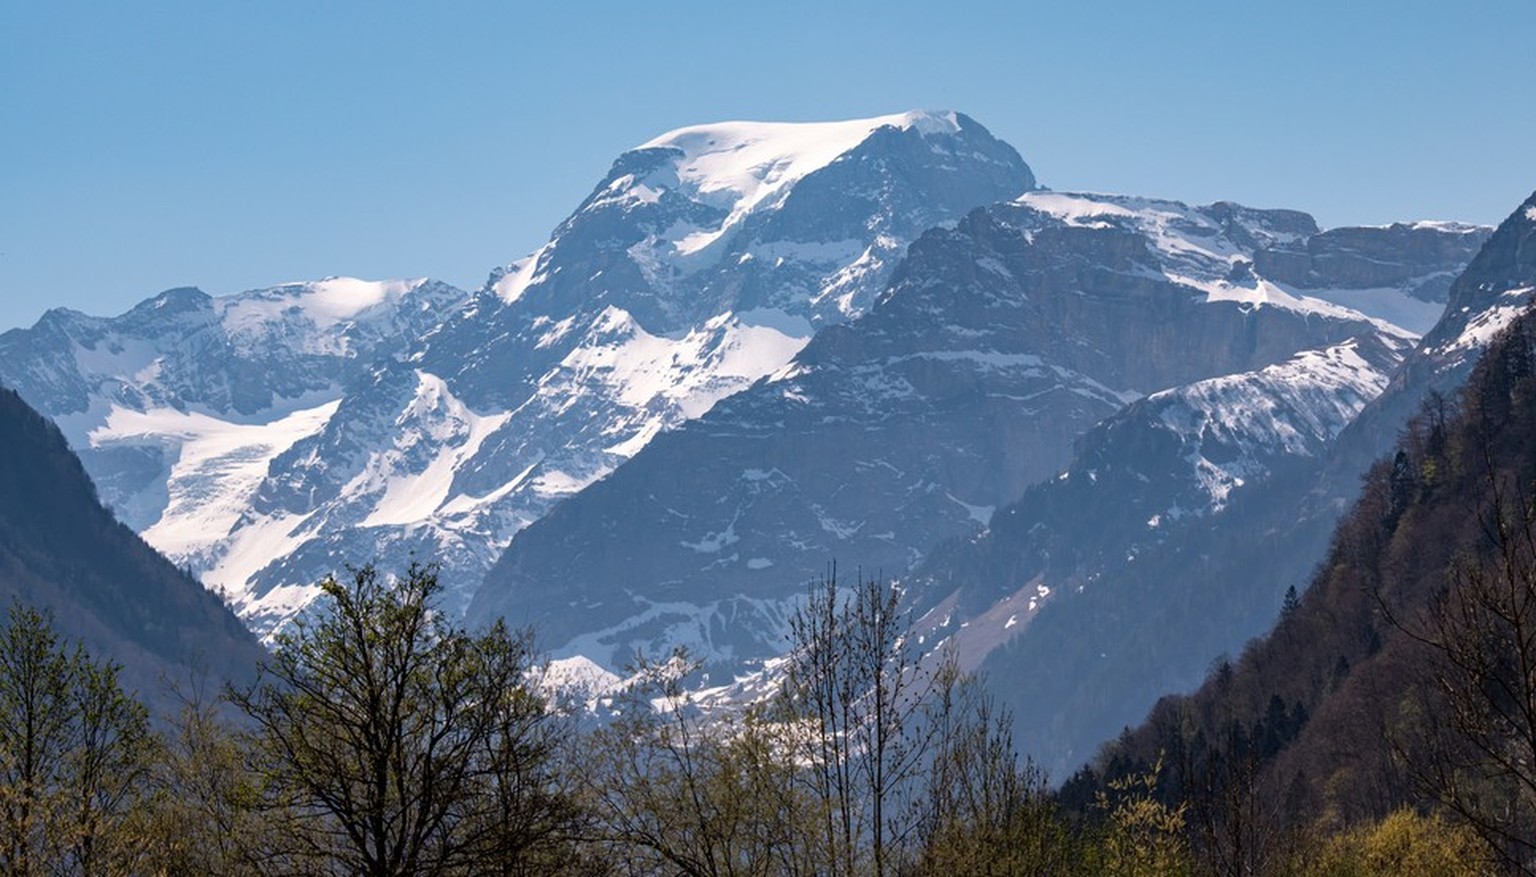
682,792
1479,731
859,693
406,745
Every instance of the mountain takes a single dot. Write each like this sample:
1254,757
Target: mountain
1179,455
703,261
998,343
60,550
1123,571
268,438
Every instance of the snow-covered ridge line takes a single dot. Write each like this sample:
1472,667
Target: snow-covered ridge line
1197,246
325,302
809,137
1449,226
1324,390
1481,328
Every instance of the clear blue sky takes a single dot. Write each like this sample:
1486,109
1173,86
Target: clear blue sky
236,145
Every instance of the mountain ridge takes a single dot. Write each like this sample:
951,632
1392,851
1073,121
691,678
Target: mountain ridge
1221,579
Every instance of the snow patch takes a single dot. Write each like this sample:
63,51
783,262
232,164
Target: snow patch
255,543
639,370
1480,330
981,514
323,303
713,542
1075,208
578,676
520,275
219,467
1389,304
456,433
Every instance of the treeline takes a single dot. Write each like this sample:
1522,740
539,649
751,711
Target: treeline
383,740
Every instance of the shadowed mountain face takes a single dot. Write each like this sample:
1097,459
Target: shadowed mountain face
998,344
60,550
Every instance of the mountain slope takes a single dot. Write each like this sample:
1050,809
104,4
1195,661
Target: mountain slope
177,406
1091,659
268,438
61,550
1338,714
1179,455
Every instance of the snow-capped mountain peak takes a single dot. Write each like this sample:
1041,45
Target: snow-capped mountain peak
741,164
801,216
268,438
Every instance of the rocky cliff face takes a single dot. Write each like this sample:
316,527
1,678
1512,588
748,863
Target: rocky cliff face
1406,258
998,344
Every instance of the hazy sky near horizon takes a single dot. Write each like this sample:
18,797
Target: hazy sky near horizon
238,145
